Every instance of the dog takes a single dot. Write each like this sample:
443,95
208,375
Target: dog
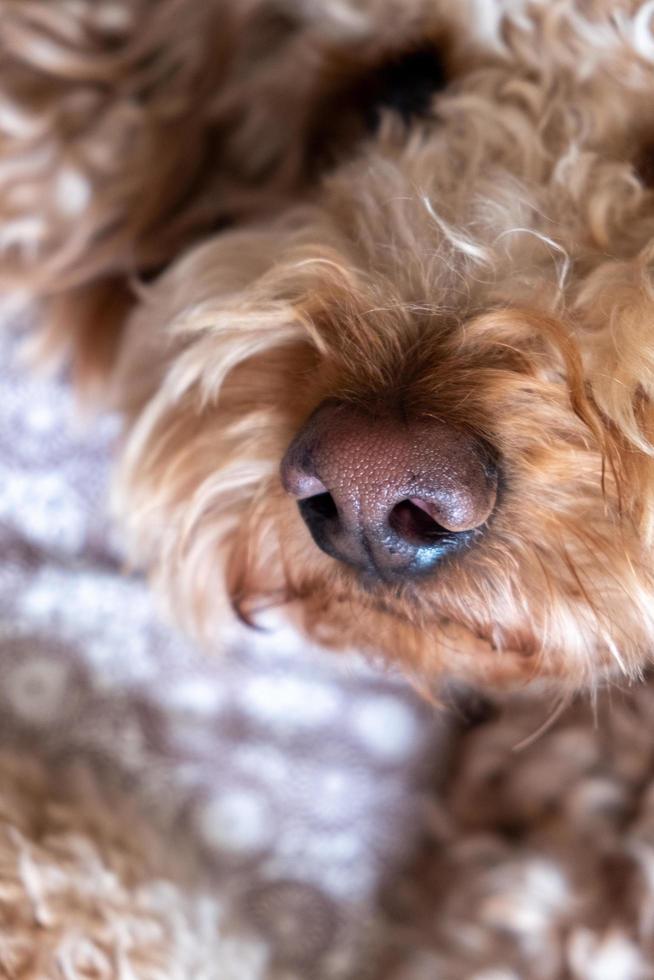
371,285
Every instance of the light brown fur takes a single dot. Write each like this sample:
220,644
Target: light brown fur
89,887
490,265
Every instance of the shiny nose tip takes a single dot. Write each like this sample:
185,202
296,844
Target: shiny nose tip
388,496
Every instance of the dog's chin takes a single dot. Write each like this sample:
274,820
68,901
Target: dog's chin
354,612
435,651
435,631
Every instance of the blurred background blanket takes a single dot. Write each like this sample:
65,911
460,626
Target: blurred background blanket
314,787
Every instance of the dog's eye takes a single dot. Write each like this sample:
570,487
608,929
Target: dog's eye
405,84
356,91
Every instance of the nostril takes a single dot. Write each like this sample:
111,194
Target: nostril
320,507
320,514
411,521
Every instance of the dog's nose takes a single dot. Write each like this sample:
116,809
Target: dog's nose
388,496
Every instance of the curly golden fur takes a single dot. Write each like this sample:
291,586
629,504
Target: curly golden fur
489,263
89,887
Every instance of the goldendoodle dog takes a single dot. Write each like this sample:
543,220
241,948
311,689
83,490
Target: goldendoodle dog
372,282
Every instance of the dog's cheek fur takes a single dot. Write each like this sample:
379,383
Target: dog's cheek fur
206,380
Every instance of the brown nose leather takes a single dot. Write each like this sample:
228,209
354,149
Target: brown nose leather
386,495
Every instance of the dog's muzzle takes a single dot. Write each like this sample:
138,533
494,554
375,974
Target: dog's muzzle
386,496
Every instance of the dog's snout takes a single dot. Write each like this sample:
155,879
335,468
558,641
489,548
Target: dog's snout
385,495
